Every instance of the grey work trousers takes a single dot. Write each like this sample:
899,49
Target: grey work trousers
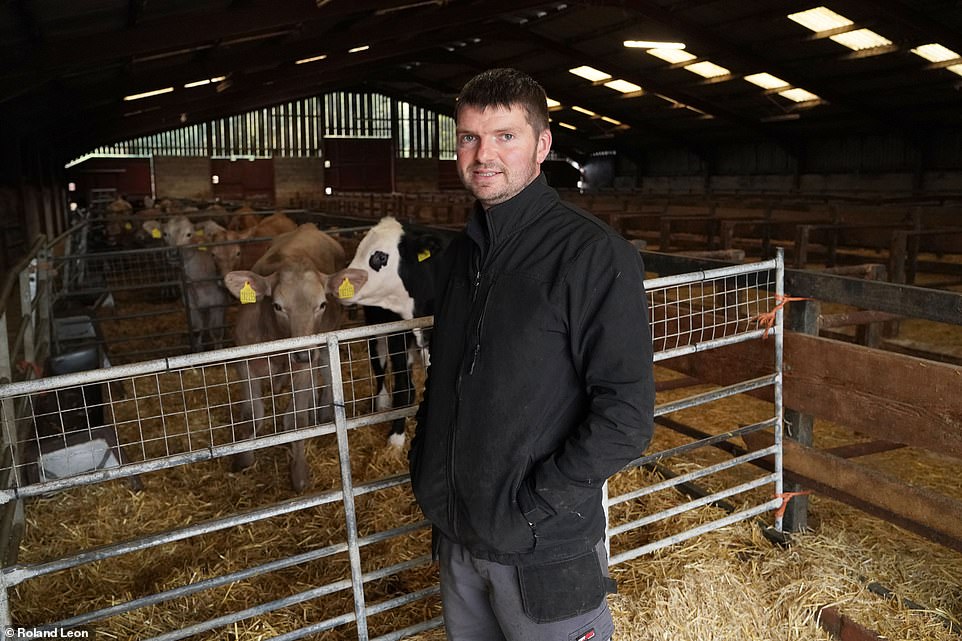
483,602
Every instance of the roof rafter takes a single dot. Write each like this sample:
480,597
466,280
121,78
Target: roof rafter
755,63
650,85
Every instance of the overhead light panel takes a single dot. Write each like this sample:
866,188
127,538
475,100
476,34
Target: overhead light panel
201,83
617,123
311,59
766,81
567,126
861,39
590,73
148,94
653,44
359,49
935,52
707,69
820,19
955,69
674,56
553,104
623,86
798,95
586,112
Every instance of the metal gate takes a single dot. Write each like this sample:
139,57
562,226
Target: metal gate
176,413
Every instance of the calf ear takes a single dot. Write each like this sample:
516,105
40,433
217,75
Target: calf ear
153,228
210,228
346,283
244,285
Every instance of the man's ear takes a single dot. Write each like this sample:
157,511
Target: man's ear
544,144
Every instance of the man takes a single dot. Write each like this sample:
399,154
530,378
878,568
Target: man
540,386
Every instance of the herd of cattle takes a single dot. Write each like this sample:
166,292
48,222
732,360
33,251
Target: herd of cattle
293,281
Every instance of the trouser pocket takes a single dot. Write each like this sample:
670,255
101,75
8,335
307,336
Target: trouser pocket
563,589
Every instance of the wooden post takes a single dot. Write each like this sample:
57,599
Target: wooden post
665,242
802,317
870,334
802,232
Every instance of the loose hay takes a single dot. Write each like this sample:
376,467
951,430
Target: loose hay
729,584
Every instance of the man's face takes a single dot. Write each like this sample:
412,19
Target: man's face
498,152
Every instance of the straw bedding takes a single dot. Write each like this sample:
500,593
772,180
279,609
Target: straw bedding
729,584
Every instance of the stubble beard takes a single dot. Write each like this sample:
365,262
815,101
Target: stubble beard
490,195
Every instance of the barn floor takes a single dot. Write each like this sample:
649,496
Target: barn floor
732,583
729,584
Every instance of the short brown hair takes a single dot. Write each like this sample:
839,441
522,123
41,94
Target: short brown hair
506,88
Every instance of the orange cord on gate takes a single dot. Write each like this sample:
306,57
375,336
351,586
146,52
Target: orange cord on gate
786,497
768,318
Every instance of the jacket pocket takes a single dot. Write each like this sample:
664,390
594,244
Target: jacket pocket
563,589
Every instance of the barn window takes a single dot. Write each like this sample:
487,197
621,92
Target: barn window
417,129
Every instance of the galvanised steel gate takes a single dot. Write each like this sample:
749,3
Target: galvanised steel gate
73,433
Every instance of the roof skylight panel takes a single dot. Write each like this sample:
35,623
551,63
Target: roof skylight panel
590,73
820,19
798,95
861,39
935,52
673,56
707,69
623,86
766,81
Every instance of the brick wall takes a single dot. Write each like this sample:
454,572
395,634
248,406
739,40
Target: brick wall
298,182
182,177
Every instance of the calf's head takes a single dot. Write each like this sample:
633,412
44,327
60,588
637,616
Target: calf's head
383,262
176,232
298,299
227,256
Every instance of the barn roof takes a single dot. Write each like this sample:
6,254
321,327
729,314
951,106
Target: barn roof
66,67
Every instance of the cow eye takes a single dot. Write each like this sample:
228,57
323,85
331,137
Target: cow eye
378,260
323,305
278,308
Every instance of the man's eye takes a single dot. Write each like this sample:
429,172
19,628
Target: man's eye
467,140
508,136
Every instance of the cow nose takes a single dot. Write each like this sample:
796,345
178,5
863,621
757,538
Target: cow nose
302,357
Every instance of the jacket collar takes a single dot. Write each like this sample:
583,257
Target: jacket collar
491,227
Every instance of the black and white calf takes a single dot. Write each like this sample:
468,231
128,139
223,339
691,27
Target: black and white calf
391,276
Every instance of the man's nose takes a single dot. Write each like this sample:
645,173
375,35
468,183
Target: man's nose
486,150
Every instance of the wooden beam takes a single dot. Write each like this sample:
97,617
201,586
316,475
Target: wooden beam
916,402
941,514
842,627
903,300
824,487
855,450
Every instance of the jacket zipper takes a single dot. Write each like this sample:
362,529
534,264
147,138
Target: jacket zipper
452,502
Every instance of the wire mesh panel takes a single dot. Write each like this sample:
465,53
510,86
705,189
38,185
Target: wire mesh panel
154,423
237,550
693,313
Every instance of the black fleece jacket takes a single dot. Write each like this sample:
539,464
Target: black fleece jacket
540,385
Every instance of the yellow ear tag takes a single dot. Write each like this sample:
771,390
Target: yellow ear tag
201,248
423,256
345,289
128,226
247,294
155,233
200,232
